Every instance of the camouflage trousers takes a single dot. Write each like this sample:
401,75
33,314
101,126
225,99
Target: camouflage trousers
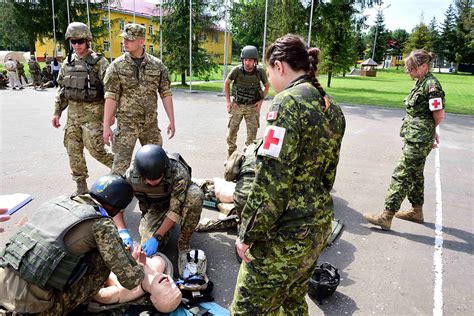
125,138
190,215
22,77
14,81
276,281
79,135
36,79
251,116
407,178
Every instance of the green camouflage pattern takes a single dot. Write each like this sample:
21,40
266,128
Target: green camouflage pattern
407,178
418,124
20,70
252,118
246,87
185,207
133,31
78,30
287,217
135,90
35,72
84,125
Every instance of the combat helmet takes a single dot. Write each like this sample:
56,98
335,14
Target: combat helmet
112,190
324,281
151,161
78,30
249,52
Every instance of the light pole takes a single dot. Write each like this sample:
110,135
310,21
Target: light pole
377,28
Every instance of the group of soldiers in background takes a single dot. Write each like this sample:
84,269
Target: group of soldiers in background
41,77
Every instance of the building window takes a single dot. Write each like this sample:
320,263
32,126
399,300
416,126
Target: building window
122,24
105,22
215,38
150,29
106,47
152,49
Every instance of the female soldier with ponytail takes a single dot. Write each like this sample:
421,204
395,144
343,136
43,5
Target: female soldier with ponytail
287,218
425,111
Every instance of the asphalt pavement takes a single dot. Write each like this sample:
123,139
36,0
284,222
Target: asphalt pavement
384,273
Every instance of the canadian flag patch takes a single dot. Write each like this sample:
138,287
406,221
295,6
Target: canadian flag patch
436,104
272,141
272,115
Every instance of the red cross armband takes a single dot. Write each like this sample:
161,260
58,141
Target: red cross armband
272,141
436,104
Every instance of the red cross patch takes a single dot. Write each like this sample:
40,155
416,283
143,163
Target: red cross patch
436,104
272,115
272,142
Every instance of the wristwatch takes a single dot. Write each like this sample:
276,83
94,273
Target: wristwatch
158,237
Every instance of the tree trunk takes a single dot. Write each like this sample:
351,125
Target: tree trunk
329,79
31,44
183,77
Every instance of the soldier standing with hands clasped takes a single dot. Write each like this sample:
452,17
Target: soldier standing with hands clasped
131,86
248,97
81,91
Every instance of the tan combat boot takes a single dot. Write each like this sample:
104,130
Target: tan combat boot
383,220
81,187
415,214
183,241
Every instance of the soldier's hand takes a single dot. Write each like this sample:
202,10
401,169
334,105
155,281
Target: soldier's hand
258,106
55,121
436,141
107,135
126,238
242,249
3,218
229,107
139,255
150,246
171,130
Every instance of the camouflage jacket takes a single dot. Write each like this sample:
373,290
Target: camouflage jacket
134,88
178,179
418,124
295,167
80,112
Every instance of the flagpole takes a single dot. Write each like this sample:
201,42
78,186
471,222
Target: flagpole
88,17
310,23
110,32
54,30
225,46
133,11
264,32
161,29
68,16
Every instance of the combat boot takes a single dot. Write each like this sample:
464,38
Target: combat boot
81,187
415,214
183,241
383,220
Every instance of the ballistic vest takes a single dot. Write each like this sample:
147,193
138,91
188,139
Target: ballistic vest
246,88
158,196
80,82
37,252
34,67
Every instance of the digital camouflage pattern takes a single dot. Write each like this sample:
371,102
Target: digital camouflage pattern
104,252
287,217
134,88
184,207
78,30
35,72
418,132
133,31
84,125
237,113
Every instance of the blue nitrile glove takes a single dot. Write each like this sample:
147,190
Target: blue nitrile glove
126,238
150,246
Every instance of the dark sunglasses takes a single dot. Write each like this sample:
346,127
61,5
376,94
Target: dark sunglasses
78,41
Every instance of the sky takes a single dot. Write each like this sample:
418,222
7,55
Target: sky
406,14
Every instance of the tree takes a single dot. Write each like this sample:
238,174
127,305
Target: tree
10,36
464,30
381,41
287,16
176,37
436,42
419,38
448,34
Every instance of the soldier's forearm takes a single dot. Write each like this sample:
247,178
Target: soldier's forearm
109,111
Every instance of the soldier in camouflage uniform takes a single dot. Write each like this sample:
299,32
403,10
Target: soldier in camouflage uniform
287,218
66,251
131,85
248,97
81,91
3,79
424,111
162,184
35,72
20,70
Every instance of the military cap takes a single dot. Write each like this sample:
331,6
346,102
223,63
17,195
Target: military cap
133,31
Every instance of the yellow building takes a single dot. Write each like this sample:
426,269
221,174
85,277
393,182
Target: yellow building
213,41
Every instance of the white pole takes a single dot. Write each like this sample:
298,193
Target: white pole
88,17
110,32
264,32
190,47
133,11
54,30
310,23
225,44
161,29
68,16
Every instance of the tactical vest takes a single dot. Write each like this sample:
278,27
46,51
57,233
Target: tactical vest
246,88
80,82
37,252
158,196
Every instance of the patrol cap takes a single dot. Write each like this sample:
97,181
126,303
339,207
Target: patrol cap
133,31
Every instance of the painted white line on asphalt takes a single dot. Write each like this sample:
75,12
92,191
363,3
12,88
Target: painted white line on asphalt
438,251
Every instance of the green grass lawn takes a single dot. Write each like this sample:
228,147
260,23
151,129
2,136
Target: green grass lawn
388,89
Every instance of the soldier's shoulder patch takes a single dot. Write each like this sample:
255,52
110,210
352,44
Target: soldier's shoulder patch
433,88
272,114
272,142
436,104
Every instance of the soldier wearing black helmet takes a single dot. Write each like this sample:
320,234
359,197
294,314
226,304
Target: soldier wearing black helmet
66,251
81,91
162,184
247,97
